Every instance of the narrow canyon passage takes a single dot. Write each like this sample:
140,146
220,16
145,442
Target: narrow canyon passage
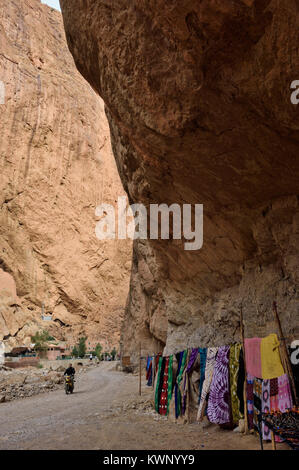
106,413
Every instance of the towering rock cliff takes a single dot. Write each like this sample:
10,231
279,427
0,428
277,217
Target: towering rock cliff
197,95
56,166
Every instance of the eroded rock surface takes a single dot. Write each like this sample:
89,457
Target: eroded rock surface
56,166
198,100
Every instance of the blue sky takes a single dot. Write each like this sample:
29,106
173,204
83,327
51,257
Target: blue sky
52,3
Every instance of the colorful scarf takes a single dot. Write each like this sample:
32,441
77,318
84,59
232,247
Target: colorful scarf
218,410
240,383
177,393
164,388
249,393
169,382
209,368
266,408
149,371
270,357
257,400
233,376
192,359
203,360
285,401
253,357
160,375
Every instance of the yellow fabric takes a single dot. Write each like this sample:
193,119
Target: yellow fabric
271,362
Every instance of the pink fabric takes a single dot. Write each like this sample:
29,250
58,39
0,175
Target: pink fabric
253,356
284,393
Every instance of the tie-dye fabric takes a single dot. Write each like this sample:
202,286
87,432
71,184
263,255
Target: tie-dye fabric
218,410
209,369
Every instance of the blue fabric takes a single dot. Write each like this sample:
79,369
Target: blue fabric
203,360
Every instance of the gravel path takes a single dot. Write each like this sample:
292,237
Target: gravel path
56,420
105,412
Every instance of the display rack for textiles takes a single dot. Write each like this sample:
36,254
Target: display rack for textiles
284,425
171,377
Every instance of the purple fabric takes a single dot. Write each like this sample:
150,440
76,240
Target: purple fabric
192,359
218,410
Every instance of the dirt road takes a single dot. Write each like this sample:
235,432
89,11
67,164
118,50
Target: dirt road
105,412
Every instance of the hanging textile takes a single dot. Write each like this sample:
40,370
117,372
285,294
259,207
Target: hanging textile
253,356
191,361
159,383
233,380
203,360
240,383
178,397
164,388
266,408
249,394
270,357
257,400
218,409
285,401
149,370
274,394
169,382
209,368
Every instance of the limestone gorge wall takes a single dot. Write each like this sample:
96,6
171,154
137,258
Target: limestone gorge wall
56,166
197,95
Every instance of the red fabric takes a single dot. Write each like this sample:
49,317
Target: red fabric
164,393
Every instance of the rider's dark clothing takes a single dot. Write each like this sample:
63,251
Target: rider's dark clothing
70,371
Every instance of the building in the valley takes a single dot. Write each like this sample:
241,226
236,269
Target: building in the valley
21,356
55,351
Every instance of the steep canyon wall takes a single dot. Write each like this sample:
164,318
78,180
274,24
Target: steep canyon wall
56,166
197,96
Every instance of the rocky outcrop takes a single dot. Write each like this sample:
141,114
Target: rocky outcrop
198,98
56,166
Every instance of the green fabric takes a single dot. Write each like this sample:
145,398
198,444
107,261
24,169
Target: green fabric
157,385
233,375
170,379
179,380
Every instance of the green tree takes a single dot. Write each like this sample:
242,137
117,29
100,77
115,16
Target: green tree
40,339
113,354
98,351
75,351
82,347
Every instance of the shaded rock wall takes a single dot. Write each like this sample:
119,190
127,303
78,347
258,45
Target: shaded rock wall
56,166
197,96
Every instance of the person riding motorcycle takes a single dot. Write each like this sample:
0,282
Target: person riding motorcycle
69,379
70,370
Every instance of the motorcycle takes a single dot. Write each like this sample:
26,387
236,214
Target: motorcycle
69,384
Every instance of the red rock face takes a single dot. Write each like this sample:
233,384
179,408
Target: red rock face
198,101
56,166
